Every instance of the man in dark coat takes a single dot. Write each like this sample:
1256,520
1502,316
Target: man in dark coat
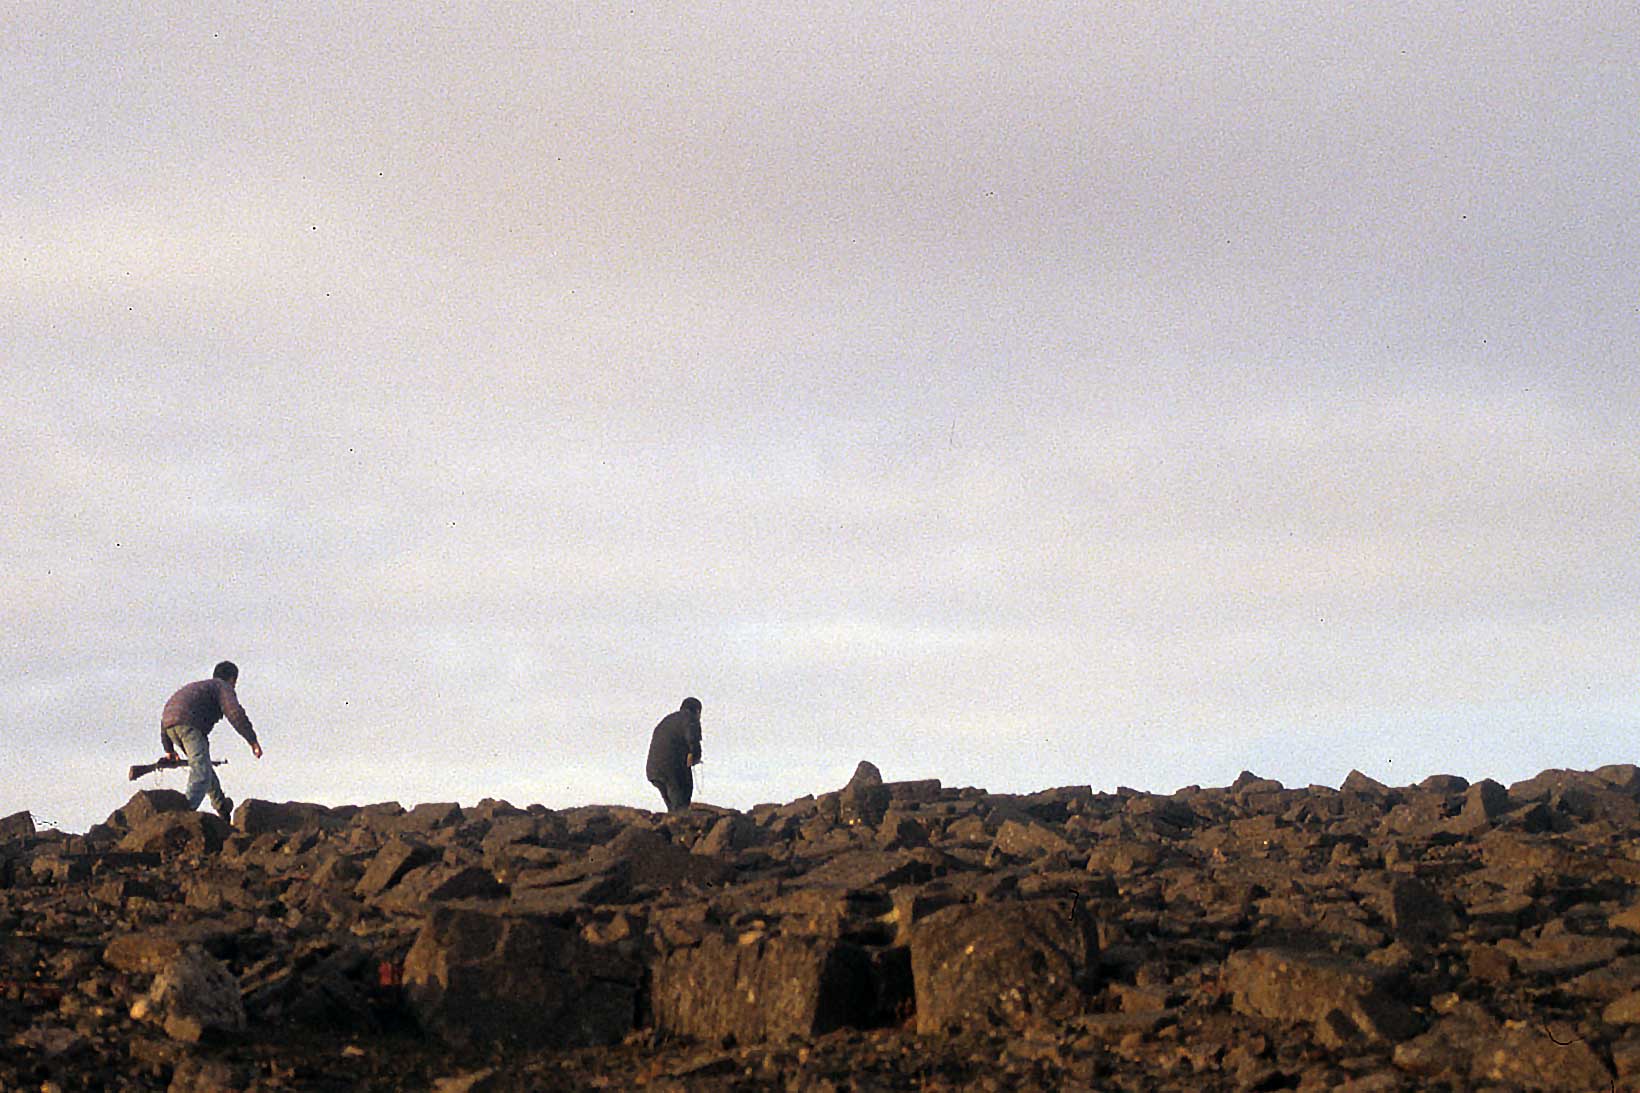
186,723
673,749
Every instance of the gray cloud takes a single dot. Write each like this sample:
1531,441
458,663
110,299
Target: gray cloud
1072,394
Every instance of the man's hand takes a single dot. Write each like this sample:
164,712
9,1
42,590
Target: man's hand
256,750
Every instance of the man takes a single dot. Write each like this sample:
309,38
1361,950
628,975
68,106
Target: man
186,723
673,749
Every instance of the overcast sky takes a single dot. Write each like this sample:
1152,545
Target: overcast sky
1016,395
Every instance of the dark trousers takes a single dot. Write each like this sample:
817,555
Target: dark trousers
676,789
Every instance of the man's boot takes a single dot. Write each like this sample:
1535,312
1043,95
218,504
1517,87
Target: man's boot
226,810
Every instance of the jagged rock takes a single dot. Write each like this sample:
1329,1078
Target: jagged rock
1526,1057
1362,786
647,859
728,835
1121,857
1444,785
335,870
316,987
177,833
1497,921
145,952
1414,911
919,791
121,890
1559,954
193,996
1484,804
1446,1051
429,817
1248,784
198,1075
474,979
1342,999
1623,1011
477,1081
439,883
145,805
765,988
220,892
1160,816
859,869
1622,777
1010,965
391,863
51,1041
1029,840
1055,806
865,799
19,825
865,776
900,832
637,860
255,817
58,868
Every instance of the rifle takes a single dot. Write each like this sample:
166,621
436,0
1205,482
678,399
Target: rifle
167,763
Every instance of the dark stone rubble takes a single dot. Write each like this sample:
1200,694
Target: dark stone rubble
888,935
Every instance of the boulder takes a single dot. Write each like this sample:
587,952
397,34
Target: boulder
145,952
144,805
390,864
1415,911
1029,840
1248,784
862,869
865,799
19,825
899,831
768,988
1528,1057
1055,806
644,858
473,979
429,817
439,883
728,835
1484,804
177,833
919,791
1344,1000
1560,954
1009,965
255,817
1623,1011
1363,786
193,996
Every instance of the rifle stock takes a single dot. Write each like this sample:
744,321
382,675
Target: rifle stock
166,763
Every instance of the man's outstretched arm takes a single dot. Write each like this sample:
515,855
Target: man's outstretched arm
239,719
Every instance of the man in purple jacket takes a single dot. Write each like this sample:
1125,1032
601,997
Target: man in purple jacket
186,723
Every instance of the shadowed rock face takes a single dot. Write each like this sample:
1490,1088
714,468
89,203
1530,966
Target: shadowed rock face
896,935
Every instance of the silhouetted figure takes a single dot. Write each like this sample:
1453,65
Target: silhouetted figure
673,749
186,723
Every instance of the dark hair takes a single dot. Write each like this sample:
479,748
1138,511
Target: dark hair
692,705
227,670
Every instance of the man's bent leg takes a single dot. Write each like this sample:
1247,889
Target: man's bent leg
202,780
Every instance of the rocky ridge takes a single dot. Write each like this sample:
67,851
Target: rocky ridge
889,935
